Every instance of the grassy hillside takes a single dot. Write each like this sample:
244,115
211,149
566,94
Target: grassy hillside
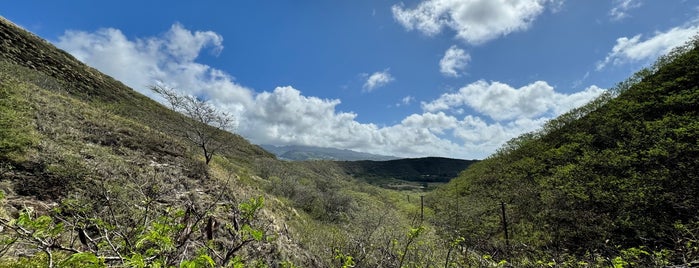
92,174
38,62
610,183
71,165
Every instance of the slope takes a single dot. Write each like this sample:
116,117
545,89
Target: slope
40,63
86,176
610,183
92,174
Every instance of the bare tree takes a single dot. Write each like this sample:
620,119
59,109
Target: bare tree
207,125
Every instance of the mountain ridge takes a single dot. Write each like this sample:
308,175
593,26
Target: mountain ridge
302,153
424,169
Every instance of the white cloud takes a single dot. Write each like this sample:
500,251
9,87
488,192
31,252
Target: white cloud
482,138
435,122
454,61
500,101
376,80
171,58
186,45
474,21
633,49
622,7
286,116
407,100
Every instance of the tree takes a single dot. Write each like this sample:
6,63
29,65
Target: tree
205,125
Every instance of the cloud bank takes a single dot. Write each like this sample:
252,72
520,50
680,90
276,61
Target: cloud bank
285,116
502,102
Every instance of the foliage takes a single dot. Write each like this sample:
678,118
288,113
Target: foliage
105,240
609,181
427,169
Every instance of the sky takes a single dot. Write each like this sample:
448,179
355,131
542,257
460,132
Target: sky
414,78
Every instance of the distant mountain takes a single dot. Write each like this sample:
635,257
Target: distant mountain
427,169
302,153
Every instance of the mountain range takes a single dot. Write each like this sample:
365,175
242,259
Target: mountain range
302,153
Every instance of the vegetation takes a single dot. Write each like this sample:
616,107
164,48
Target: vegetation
420,170
15,135
93,174
100,177
616,178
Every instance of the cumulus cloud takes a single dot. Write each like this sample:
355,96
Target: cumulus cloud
286,116
436,122
376,80
454,61
484,138
634,49
622,7
474,21
500,101
170,57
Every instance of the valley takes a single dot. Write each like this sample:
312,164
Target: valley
95,174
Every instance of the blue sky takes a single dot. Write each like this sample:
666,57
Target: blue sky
453,78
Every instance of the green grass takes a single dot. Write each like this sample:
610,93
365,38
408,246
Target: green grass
17,135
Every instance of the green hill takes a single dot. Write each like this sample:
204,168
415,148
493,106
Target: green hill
617,177
406,173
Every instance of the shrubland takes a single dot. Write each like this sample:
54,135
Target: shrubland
611,183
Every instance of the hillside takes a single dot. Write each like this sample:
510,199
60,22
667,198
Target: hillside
94,174
396,173
615,182
303,153
41,63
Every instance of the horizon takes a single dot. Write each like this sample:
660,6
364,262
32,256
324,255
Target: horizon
434,78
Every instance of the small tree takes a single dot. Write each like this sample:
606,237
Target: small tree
207,125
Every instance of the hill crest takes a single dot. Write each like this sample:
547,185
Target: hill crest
302,153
